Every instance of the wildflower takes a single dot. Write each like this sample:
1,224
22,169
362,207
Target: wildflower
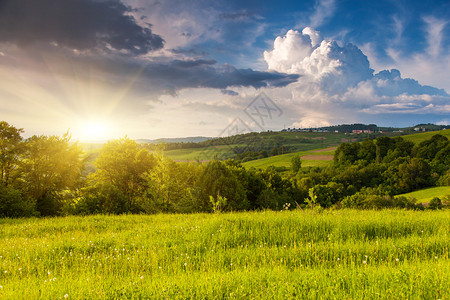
185,264
338,259
364,262
66,296
142,277
396,259
435,257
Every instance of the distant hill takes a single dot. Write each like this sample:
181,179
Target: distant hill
420,137
195,139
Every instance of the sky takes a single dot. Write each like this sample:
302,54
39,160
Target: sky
149,69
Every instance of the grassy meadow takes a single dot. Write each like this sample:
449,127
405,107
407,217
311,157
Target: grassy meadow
425,195
420,137
389,254
284,160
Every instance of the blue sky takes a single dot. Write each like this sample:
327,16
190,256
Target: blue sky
149,69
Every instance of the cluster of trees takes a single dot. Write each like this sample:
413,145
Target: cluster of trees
43,175
46,176
369,174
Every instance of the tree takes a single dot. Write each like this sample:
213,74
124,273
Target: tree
51,164
121,165
296,163
383,144
171,186
219,179
11,147
346,154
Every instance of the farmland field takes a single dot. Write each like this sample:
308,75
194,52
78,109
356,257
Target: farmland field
324,158
290,254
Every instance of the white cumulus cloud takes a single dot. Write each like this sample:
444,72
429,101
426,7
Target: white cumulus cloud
336,83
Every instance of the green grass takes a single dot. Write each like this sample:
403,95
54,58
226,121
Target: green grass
391,254
199,153
420,137
284,160
425,195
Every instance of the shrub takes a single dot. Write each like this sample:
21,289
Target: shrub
435,203
14,205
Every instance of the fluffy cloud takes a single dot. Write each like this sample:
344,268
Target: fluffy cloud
337,82
335,68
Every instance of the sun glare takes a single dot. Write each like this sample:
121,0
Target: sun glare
94,130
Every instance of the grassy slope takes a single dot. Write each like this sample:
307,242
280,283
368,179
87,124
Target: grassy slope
273,255
284,160
301,141
199,153
425,195
420,137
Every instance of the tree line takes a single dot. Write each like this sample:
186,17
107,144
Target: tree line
47,176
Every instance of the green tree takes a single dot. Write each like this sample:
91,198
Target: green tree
172,186
121,165
11,148
296,163
383,144
218,179
51,164
346,154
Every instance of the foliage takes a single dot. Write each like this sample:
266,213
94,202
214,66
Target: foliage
435,203
119,175
296,163
50,165
44,175
218,179
13,204
11,148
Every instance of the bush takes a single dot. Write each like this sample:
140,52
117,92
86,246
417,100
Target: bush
14,205
372,201
435,203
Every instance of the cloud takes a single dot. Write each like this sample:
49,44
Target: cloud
390,83
229,92
323,10
75,24
336,83
434,29
335,68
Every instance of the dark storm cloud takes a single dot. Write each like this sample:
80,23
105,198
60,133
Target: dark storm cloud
229,92
75,24
204,73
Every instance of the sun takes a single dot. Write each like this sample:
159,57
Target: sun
94,130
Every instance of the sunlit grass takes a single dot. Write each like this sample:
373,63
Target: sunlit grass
420,137
425,195
284,160
336,254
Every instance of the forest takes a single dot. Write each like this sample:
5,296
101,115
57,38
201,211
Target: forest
50,176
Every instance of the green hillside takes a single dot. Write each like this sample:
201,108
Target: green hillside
312,158
420,137
207,153
425,195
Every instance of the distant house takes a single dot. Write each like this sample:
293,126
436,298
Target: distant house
357,131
